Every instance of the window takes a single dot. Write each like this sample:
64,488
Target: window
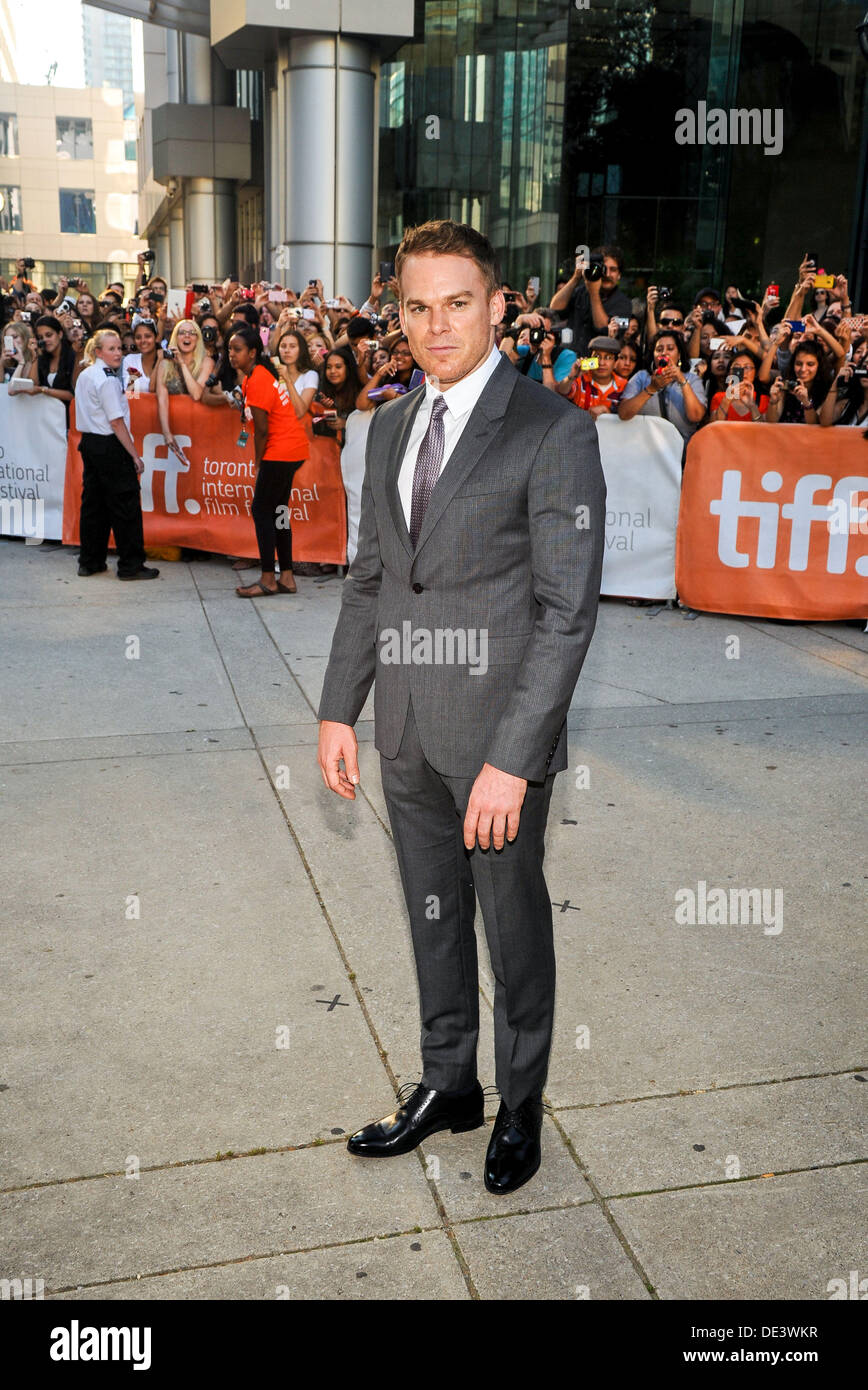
8,136
74,137
77,211
10,209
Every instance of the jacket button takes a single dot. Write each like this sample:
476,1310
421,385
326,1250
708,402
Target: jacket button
418,588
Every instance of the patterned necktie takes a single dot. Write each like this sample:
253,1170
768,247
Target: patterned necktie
427,469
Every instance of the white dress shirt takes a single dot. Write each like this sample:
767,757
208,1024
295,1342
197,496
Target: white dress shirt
460,400
99,399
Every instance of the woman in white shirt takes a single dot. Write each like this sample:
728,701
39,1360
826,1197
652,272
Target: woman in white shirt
140,367
294,366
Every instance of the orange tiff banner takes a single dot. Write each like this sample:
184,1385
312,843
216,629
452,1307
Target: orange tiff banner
774,522
207,506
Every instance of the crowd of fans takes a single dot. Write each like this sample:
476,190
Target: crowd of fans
793,358
721,357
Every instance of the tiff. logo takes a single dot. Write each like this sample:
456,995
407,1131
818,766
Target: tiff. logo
803,513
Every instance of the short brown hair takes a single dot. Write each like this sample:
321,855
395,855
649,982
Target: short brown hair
444,237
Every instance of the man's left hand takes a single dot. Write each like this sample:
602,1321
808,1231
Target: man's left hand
494,808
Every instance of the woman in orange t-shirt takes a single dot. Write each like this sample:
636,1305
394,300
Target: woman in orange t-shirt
281,447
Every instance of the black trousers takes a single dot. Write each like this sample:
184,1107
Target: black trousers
441,883
111,500
270,512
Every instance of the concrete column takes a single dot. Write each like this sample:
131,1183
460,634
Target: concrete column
173,65
209,227
162,246
209,204
328,136
197,70
178,276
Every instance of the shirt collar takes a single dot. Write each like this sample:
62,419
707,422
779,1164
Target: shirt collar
463,396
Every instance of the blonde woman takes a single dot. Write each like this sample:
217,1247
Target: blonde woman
19,354
111,465
183,372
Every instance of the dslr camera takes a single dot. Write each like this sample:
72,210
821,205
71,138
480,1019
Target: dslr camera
29,263
594,269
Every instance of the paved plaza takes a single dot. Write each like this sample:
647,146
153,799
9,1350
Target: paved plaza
210,981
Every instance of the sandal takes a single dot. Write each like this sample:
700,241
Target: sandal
285,589
263,593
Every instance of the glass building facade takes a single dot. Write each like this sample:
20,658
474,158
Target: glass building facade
548,126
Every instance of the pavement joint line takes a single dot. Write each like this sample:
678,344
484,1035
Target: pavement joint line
312,1249
630,690
245,1259
350,973
575,728
318,1143
602,1203
839,665
711,1090
731,1182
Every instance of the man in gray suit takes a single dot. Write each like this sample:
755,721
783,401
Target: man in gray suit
471,603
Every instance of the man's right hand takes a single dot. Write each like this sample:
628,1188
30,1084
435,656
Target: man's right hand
338,741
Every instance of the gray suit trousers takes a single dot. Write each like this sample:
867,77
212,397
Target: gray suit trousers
441,881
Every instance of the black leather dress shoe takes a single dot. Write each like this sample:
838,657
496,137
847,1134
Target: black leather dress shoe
423,1112
514,1152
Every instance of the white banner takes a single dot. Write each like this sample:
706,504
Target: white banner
32,465
353,473
642,466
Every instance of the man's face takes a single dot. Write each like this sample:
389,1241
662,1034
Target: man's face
611,274
447,315
672,319
708,301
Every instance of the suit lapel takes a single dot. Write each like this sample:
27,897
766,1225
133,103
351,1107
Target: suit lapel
396,454
476,436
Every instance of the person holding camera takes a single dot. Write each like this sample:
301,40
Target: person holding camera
534,347
591,297
280,447
391,380
20,285
847,402
340,387
796,400
740,400
596,389
667,387
110,494
661,312
19,355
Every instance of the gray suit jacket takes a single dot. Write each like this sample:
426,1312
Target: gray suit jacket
505,549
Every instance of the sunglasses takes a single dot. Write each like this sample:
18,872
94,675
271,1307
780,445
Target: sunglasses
671,323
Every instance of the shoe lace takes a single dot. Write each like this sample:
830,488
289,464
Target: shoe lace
518,1117
406,1090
